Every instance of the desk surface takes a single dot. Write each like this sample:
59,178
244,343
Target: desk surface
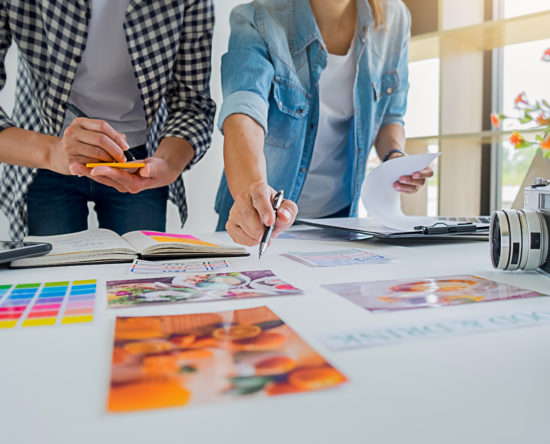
487,388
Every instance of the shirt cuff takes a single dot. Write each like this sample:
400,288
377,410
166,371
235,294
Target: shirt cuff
392,119
244,102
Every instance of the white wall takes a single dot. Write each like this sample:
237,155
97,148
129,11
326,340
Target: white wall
202,180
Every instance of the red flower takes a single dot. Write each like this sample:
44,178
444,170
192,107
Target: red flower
495,120
546,56
521,99
542,121
516,139
545,144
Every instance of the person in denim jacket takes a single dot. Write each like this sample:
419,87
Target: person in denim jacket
309,86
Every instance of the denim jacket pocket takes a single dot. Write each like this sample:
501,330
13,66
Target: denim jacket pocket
289,106
387,85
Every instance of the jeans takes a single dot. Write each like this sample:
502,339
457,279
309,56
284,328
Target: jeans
58,204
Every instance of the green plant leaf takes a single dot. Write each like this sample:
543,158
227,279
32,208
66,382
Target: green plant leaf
524,144
526,119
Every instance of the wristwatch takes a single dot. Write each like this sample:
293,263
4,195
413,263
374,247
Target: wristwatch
395,150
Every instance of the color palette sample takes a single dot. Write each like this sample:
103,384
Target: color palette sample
51,303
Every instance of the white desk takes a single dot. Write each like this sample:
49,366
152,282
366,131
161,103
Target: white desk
488,388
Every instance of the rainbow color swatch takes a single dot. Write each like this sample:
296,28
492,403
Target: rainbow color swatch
50,303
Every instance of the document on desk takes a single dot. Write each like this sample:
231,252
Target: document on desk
301,232
211,358
444,327
140,266
431,292
383,202
197,288
350,256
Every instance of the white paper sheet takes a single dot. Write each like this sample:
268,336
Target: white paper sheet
372,336
382,202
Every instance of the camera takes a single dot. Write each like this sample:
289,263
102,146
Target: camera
519,238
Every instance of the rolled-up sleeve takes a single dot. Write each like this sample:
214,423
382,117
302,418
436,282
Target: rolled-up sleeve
5,42
398,104
247,71
190,109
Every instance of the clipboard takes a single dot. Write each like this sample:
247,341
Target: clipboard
439,230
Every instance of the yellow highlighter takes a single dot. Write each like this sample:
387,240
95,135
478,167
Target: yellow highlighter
117,165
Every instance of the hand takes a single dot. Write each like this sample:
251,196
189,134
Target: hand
411,184
86,140
253,211
156,173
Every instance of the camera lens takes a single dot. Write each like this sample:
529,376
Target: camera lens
518,240
495,241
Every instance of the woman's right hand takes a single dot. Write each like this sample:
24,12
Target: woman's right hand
86,141
253,211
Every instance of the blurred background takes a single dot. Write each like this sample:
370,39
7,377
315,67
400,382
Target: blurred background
467,59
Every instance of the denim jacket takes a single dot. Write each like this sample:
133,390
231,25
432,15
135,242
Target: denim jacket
271,73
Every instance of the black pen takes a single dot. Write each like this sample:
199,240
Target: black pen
79,113
277,200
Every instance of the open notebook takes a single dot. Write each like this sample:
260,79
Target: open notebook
101,245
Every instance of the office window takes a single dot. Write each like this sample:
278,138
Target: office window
515,8
523,71
474,56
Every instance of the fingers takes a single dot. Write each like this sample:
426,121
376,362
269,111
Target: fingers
78,169
404,188
100,146
412,183
102,127
238,235
424,174
251,213
406,184
123,181
146,171
95,139
286,215
262,195
246,217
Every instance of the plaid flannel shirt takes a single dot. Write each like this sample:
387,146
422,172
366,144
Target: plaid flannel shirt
169,43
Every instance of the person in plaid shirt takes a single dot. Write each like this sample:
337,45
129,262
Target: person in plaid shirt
141,70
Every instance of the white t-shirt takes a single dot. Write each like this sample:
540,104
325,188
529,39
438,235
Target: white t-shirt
105,86
324,193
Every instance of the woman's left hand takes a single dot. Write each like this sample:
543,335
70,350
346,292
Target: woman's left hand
411,184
